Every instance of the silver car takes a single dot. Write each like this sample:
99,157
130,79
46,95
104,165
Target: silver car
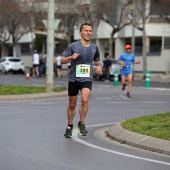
11,64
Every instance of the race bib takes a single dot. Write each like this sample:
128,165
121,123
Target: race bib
83,70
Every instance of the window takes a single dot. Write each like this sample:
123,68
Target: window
25,48
138,45
10,50
155,45
15,60
3,59
167,42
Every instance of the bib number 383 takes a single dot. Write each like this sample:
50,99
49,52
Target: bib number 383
83,70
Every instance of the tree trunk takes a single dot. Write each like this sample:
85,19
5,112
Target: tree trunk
16,52
111,45
4,50
144,53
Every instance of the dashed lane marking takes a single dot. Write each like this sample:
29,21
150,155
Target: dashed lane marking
154,102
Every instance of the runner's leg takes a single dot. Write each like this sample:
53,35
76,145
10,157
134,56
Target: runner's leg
71,109
123,80
129,82
85,93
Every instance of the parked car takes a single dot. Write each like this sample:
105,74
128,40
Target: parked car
11,64
114,66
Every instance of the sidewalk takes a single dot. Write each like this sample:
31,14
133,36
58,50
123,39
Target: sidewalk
154,78
124,136
32,96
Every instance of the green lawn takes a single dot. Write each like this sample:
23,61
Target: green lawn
11,90
156,125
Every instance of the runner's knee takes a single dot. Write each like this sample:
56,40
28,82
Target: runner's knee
84,101
72,106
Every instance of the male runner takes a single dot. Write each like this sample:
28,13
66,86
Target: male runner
82,54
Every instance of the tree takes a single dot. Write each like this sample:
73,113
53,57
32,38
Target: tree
140,18
68,17
4,34
161,8
17,19
113,12
15,22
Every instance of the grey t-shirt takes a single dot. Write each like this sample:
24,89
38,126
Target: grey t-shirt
87,56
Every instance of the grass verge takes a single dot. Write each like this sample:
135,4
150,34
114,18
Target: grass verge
156,125
11,90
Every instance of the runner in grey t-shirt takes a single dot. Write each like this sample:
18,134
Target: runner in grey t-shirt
86,56
82,54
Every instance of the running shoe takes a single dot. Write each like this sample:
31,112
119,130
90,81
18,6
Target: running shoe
68,133
82,129
124,86
128,94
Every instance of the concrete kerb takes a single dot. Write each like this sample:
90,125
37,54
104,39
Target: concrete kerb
119,134
32,96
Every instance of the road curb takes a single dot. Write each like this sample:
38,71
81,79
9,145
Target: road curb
32,96
124,136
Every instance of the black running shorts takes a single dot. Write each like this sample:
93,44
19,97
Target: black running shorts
74,87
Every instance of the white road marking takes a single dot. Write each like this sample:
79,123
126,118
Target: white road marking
104,98
76,138
154,102
117,102
124,97
165,89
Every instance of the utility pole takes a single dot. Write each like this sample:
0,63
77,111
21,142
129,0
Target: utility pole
51,24
133,28
50,46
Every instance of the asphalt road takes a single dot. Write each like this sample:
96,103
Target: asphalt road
32,132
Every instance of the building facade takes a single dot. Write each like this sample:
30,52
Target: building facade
157,41
157,34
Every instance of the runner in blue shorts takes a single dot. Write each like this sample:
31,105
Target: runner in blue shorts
82,54
127,59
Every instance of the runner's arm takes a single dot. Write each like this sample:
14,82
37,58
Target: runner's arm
136,62
65,60
121,62
98,67
97,63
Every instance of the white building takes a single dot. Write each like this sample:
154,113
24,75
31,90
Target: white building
157,42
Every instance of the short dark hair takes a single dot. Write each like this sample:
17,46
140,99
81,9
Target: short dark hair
81,27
